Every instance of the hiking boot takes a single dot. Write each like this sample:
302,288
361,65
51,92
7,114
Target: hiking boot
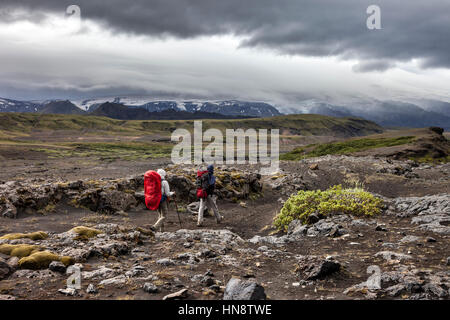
219,220
152,228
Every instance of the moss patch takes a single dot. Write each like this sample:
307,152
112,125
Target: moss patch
41,260
39,235
85,232
66,260
324,203
18,250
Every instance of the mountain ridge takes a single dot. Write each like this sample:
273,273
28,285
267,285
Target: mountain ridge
61,107
386,113
122,112
306,124
390,113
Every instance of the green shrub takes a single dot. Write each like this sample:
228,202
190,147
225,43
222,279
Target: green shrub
354,201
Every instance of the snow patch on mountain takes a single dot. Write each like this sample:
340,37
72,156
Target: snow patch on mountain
227,107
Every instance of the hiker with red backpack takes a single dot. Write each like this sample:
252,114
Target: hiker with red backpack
157,193
206,182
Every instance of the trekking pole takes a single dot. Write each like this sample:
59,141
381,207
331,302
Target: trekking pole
178,213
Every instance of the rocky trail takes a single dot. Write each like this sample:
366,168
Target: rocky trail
100,225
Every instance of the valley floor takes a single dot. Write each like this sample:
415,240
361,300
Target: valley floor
409,242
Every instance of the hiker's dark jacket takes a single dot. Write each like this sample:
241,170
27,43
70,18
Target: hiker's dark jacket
211,187
211,181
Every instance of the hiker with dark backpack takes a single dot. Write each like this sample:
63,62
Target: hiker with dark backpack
157,193
206,182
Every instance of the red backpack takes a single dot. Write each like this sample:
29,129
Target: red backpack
201,192
152,189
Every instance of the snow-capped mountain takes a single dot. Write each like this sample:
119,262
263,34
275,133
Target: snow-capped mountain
90,104
417,113
8,105
228,107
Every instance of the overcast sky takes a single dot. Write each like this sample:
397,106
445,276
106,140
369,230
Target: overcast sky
279,51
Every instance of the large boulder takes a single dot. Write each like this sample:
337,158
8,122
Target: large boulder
8,210
393,256
237,289
112,201
183,186
313,267
150,287
57,266
119,280
88,199
4,269
296,227
420,206
326,227
131,183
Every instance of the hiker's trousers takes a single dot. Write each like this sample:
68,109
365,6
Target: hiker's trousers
162,210
211,205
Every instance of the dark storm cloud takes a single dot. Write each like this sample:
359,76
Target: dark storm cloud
410,29
377,65
46,92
